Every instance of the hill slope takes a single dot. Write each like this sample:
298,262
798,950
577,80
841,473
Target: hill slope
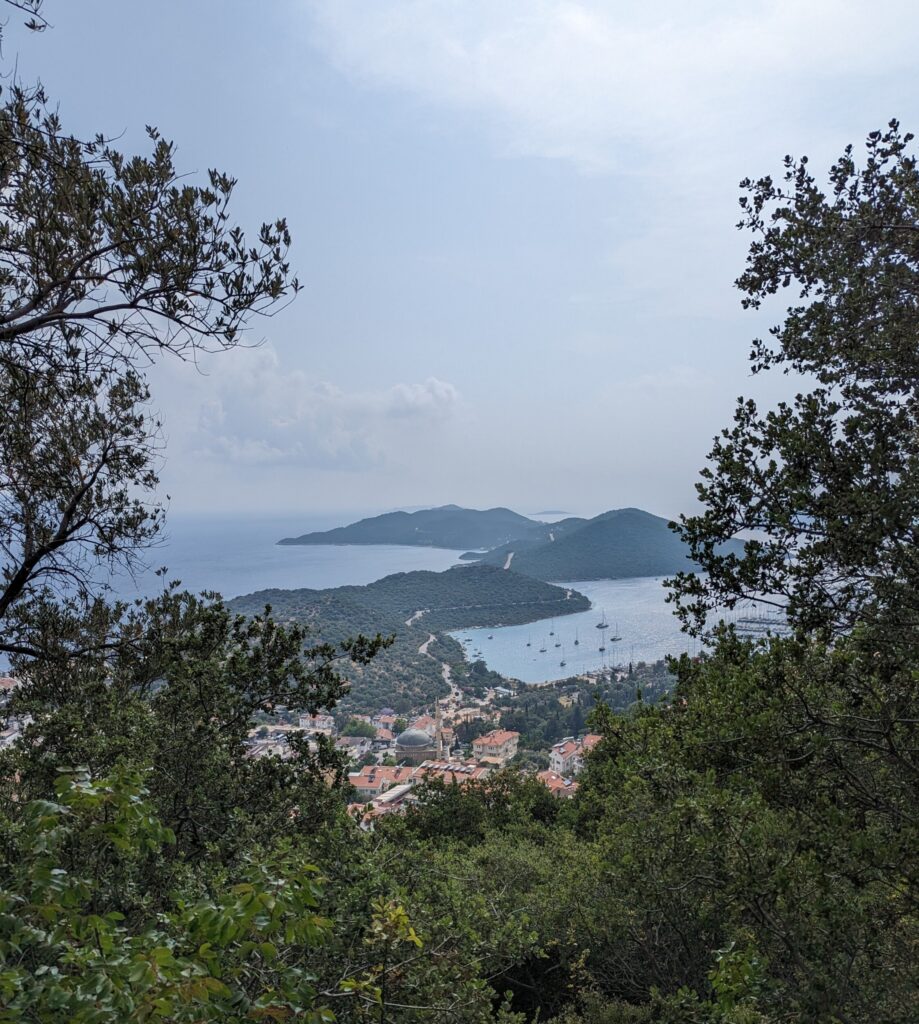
462,597
446,527
615,545
404,676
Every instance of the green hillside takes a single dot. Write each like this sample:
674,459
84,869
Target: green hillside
401,676
446,527
615,545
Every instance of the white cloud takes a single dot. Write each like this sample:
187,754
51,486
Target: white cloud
256,411
583,81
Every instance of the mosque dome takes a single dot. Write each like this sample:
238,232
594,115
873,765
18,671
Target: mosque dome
414,738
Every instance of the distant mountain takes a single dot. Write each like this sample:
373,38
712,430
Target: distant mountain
446,527
620,544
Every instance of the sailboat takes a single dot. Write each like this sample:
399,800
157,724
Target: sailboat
615,637
576,638
542,650
603,624
529,641
552,630
562,662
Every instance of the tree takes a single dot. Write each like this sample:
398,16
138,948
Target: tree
826,483
174,686
106,261
358,727
32,13
68,950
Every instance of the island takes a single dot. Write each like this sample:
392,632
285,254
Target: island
619,544
448,526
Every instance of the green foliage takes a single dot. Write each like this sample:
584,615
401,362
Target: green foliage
69,953
545,714
358,727
106,261
828,480
176,686
403,677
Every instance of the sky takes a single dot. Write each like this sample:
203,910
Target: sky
514,223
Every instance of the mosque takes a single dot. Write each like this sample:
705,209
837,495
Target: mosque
418,744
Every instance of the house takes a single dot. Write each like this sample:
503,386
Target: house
384,738
587,744
496,747
561,788
355,747
426,724
562,756
374,780
273,746
470,714
567,756
321,723
11,729
384,720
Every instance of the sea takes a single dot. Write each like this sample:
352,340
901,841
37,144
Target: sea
235,556
641,627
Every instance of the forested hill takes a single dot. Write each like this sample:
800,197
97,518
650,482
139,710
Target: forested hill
403,676
615,545
462,597
446,527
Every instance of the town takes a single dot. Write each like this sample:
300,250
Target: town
389,756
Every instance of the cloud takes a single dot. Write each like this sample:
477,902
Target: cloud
259,412
584,81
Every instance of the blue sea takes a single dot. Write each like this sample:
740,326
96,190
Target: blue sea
635,610
236,556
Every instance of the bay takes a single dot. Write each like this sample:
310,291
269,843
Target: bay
635,610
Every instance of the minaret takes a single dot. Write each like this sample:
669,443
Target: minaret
439,732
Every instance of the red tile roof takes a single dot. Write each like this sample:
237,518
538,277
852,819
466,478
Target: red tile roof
557,786
495,738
